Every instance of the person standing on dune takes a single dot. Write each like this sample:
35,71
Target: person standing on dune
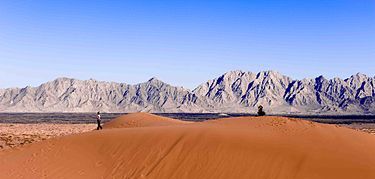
98,120
260,111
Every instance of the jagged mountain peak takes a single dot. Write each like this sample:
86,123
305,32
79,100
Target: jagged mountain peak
234,72
268,73
154,79
234,91
321,78
63,79
358,76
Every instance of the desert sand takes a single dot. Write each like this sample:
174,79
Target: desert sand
141,120
15,135
147,146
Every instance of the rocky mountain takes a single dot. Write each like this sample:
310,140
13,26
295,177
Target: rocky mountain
70,95
241,91
235,91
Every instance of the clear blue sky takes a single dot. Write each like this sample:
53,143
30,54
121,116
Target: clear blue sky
183,43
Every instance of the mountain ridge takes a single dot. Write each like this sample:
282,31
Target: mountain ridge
234,91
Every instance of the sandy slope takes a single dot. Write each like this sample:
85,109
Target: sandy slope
247,147
134,120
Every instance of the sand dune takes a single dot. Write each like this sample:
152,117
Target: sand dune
245,147
141,120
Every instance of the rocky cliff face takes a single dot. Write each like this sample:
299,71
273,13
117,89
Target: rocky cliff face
235,91
243,91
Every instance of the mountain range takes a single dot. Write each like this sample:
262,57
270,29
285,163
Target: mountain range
232,92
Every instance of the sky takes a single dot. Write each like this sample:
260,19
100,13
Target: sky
183,43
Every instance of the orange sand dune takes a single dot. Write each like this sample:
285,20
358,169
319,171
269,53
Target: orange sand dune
140,120
246,147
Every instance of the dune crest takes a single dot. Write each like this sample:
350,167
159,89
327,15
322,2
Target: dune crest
140,120
243,147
